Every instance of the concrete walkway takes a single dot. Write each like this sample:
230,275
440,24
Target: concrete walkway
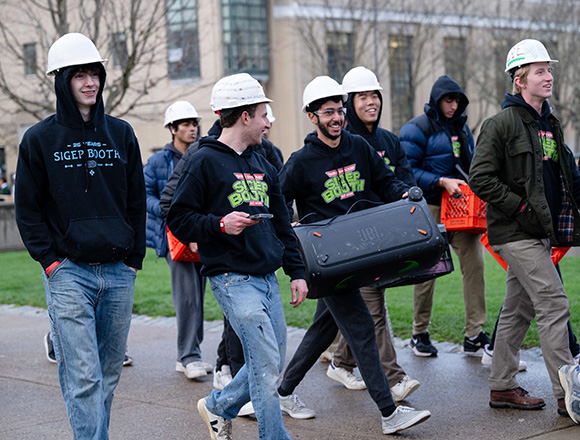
155,402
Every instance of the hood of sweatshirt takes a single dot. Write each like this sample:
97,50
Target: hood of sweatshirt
67,110
444,86
510,100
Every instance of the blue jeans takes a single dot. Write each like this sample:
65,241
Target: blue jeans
253,307
89,307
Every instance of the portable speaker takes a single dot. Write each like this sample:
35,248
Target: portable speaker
370,246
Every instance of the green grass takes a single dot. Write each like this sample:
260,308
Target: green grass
21,284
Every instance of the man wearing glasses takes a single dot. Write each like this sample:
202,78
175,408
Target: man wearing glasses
326,177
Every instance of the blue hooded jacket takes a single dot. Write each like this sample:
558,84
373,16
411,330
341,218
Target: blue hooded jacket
427,140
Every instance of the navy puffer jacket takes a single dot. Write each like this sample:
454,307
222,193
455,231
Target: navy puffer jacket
157,170
427,140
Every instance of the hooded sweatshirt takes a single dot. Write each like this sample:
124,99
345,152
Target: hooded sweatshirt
80,185
326,182
216,181
436,145
385,143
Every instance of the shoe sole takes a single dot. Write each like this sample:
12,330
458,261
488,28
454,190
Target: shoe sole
330,374
408,392
566,386
202,410
422,354
46,351
411,422
505,405
297,416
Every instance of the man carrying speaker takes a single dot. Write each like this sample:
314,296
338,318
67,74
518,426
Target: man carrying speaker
325,178
228,200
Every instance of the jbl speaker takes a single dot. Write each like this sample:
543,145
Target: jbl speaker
371,246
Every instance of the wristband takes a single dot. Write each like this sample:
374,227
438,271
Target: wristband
222,225
50,268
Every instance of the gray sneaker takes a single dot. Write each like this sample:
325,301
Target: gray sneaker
403,418
219,428
570,381
294,407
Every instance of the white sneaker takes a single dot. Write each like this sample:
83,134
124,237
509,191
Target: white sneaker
487,357
206,366
404,388
246,410
577,359
222,377
192,370
345,377
403,418
219,428
294,407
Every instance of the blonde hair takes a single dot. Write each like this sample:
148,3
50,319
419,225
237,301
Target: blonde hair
522,74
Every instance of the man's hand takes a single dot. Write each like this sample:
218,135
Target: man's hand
235,222
193,247
452,186
299,291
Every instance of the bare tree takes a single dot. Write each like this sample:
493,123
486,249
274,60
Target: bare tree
132,32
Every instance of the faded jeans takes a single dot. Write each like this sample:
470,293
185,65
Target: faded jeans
89,307
254,309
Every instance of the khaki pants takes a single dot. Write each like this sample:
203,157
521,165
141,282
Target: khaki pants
375,301
469,251
533,289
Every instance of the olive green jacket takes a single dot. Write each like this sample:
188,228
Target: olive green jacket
507,173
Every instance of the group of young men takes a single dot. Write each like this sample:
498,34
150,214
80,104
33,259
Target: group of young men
82,207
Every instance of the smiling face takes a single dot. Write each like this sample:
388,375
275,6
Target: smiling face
537,86
84,86
257,124
367,106
329,127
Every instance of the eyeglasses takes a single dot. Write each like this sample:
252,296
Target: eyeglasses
329,112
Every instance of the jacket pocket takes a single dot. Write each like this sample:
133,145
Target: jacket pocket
99,240
529,221
520,153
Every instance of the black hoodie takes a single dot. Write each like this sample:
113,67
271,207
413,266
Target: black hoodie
383,141
81,193
326,181
214,182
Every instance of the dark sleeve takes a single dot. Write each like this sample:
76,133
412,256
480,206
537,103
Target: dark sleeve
269,152
31,195
136,203
286,177
169,190
184,217
291,261
403,169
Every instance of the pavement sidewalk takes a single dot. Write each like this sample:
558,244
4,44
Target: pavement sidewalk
155,402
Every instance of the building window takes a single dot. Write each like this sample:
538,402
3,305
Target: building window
400,66
340,54
182,39
119,50
455,59
29,59
245,37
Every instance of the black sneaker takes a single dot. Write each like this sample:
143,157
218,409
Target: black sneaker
49,349
421,345
473,347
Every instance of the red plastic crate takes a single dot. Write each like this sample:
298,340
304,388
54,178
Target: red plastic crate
465,214
178,250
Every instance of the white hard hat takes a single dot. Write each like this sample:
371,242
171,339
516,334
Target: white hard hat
236,91
321,87
360,79
72,49
270,114
527,52
178,111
